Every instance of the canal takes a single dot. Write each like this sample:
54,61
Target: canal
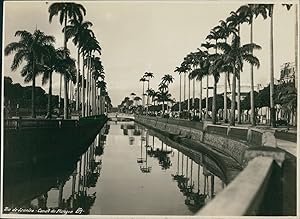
127,170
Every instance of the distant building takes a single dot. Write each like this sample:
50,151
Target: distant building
288,73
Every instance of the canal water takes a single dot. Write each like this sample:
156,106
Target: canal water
127,170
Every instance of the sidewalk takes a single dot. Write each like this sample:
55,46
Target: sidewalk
288,146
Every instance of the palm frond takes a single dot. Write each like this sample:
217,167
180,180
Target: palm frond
251,59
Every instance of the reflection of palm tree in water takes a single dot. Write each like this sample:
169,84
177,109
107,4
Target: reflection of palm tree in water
194,200
42,201
88,171
208,174
141,160
162,156
146,169
100,148
84,201
91,173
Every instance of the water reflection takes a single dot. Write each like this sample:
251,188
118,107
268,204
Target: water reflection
126,170
66,185
195,197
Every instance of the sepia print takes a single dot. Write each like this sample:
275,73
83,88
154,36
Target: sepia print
149,108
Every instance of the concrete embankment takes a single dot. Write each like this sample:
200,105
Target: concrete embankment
231,141
270,168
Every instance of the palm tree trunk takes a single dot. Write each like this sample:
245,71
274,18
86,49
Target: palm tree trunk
200,99
143,96
100,102
65,76
88,86
206,101
70,87
296,48
95,97
50,97
193,100
225,115
33,113
214,103
77,81
239,100
148,98
296,54
83,88
252,115
189,93
272,109
184,85
239,91
59,98
232,114
65,97
179,94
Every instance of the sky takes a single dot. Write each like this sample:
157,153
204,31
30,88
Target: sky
152,36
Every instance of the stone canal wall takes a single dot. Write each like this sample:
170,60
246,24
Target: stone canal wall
232,141
263,186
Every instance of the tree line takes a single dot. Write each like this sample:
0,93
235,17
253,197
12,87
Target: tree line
222,53
35,53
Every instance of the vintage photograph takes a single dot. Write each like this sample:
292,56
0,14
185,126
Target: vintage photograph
149,108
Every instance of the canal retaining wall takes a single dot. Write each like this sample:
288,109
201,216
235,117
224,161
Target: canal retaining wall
232,141
268,180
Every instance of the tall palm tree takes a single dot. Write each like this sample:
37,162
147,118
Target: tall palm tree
151,93
242,15
51,63
31,47
246,14
101,85
194,61
184,67
143,79
148,76
55,61
270,9
206,65
199,73
165,82
187,63
180,71
86,36
215,35
163,96
90,46
66,11
97,71
167,79
267,10
225,30
234,55
78,30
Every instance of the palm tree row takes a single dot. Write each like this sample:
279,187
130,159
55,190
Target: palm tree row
41,57
228,58
91,88
161,95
